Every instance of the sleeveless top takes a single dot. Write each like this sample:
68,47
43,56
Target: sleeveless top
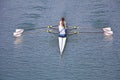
62,29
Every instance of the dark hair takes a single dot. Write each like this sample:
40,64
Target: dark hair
62,19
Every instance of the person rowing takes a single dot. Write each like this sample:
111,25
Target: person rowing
62,35
62,28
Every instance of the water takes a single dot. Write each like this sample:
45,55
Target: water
35,55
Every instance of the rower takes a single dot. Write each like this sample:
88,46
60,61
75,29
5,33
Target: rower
62,28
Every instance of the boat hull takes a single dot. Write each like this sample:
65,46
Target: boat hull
62,42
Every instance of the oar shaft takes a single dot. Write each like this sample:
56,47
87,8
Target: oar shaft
90,32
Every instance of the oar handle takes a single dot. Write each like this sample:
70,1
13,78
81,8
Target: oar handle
49,31
75,27
50,26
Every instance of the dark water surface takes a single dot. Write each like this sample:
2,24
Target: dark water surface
35,55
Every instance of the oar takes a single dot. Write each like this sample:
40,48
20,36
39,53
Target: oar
85,32
22,30
69,27
51,31
50,26
35,28
72,27
53,27
71,33
107,29
18,32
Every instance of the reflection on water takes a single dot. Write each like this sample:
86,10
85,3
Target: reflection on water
18,40
108,38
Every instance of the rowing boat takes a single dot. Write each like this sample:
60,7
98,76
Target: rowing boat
62,39
66,31
62,42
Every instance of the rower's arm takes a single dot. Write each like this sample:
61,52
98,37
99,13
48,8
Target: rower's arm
65,24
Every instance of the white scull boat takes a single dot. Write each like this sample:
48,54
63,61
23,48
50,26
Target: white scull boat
62,31
62,42
62,35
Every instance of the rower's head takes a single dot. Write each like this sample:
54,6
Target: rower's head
62,19
62,22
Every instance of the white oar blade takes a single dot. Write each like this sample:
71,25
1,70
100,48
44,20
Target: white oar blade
15,34
20,30
108,33
107,29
